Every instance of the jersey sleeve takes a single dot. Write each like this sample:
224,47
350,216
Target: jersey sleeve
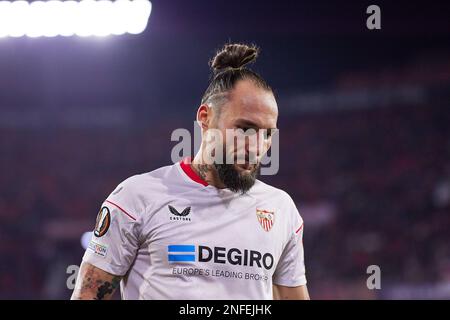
115,239
290,270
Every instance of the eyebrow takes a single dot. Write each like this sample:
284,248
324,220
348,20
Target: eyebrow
248,123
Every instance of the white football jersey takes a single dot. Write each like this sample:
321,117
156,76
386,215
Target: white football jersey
173,236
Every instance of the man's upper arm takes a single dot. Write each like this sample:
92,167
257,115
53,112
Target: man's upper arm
290,293
290,270
113,246
116,236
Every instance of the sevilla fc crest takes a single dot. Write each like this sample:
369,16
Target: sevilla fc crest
266,218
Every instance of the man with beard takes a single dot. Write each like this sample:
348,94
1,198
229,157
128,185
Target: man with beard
180,231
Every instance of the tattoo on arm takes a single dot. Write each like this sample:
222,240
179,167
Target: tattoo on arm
107,288
94,283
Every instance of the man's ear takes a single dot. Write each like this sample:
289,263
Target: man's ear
204,116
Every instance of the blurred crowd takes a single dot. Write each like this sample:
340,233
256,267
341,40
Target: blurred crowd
373,187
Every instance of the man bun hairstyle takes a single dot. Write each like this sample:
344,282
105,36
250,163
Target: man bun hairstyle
234,56
228,67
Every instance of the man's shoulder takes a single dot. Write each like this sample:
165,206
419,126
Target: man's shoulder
138,191
279,198
148,179
265,190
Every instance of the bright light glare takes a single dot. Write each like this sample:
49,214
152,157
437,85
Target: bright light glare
85,239
68,18
19,17
5,8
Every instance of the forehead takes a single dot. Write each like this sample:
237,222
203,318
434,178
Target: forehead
250,103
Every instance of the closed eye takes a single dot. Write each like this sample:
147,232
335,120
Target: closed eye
269,132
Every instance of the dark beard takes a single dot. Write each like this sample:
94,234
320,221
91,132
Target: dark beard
234,181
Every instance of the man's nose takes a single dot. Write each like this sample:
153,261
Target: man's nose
252,150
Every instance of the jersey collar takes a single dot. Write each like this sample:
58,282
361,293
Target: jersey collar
185,164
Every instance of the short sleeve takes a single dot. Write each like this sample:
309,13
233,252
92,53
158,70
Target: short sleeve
115,239
290,270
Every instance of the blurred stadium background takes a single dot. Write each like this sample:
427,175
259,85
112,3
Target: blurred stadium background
364,130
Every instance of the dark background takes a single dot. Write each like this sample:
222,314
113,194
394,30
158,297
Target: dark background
364,129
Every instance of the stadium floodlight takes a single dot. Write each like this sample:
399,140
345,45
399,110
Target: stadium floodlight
67,18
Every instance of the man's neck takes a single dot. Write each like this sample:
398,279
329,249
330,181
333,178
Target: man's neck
206,171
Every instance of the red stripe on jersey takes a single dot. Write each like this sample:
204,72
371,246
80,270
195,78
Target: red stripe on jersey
299,228
121,209
187,168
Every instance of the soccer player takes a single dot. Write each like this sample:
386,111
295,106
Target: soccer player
201,229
